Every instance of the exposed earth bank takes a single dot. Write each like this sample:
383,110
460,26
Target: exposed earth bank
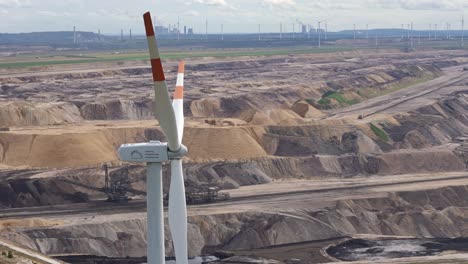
430,213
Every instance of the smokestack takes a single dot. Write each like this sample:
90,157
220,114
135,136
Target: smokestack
222,32
185,30
121,35
206,28
130,34
367,31
178,29
74,35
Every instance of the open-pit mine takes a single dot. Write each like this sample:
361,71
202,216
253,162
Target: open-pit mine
314,158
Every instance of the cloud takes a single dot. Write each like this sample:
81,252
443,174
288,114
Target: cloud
14,3
50,14
212,2
279,2
419,4
191,13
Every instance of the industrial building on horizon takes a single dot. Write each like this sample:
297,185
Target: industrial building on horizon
172,30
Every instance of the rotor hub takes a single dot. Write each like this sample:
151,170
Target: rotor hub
177,154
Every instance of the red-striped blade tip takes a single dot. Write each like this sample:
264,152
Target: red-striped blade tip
181,66
179,92
148,24
158,72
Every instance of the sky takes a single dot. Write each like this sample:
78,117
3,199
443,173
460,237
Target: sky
237,16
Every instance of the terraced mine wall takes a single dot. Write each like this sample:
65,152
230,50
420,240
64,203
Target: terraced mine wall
26,106
431,213
257,154
434,124
429,126
26,192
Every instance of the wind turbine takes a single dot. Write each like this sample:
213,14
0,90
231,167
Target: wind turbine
319,32
463,31
367,31
430,30
154,153
326,30
354,31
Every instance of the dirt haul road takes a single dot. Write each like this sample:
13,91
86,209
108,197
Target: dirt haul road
272,196
408,99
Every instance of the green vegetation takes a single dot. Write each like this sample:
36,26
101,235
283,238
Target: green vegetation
65,59
325,101
310,101
338,97
379,132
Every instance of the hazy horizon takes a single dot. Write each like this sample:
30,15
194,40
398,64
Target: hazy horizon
237,16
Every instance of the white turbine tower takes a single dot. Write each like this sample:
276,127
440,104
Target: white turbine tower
171,120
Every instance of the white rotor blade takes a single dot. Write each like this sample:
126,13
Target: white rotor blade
163,111
178,212
178,101
177,203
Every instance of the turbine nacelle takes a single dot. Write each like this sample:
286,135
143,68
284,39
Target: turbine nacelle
153,151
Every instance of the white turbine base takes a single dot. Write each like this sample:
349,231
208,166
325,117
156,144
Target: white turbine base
155,211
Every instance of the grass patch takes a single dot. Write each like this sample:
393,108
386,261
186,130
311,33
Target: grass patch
338,97
327,96
72,59
324,101
379,132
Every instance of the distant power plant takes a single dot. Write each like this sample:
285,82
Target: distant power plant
162,30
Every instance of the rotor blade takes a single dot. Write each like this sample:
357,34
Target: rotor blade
163,109
178,102
178,212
